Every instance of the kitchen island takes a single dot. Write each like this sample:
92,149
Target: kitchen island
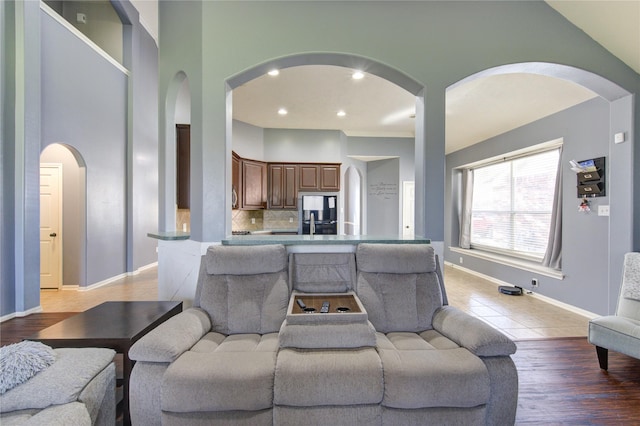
320,240
179,258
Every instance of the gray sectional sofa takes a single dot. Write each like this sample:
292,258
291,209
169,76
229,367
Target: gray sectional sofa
241,356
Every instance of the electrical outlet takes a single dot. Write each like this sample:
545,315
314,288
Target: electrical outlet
253,220
461,260
534,282
290,220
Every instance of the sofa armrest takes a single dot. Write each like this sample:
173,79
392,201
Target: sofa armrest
471,333
169,340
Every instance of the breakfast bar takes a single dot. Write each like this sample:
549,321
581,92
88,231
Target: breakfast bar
338,242
179,256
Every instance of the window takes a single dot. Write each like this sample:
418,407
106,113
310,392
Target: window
512,205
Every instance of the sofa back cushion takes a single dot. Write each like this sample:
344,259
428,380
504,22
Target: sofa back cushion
322,272
398,285
244,289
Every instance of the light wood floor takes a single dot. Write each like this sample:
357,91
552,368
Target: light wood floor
520,317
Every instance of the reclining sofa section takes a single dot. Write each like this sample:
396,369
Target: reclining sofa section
241,356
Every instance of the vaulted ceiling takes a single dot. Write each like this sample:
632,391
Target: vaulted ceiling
477,110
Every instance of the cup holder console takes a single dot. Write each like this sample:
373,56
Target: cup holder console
330,303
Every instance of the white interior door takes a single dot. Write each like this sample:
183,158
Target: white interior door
50,225
408,207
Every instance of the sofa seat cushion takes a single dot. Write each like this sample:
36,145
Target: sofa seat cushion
222,373
308,378
426,370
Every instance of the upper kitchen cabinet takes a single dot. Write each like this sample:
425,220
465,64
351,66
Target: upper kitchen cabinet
319,177
254,184
330,177
183,165
282,186
309,177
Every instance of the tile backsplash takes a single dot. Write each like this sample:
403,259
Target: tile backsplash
183,220
263,219
241,220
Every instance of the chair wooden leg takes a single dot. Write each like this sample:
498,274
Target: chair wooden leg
603,357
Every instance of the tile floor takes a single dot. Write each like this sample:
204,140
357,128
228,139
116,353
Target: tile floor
520,317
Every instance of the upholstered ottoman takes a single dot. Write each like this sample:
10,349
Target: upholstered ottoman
77,389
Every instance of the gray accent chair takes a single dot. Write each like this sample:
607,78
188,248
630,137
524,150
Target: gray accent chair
440,365
79,388
620,332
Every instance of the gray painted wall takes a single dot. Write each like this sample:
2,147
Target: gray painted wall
92,106
315,146
383,197
586,237
73,78
238,36
248,140
142,152
21,149
7,91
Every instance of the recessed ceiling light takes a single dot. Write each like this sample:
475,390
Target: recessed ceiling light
357,75
273,73
341,113
282,111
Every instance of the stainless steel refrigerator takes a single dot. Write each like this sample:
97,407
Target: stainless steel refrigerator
319,214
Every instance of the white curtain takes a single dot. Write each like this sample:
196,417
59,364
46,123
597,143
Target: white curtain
553,254
464,215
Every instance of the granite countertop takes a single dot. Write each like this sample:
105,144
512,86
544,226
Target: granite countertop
287,240
169,235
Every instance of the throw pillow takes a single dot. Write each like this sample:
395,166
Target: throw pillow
21,361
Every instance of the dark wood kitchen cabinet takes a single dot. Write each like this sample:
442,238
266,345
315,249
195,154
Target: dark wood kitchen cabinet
309,177
330,177
254,184
282,186
319,177
236,181
183,165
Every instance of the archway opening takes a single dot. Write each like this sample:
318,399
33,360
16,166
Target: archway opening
62,217
588,127
341,144
175,188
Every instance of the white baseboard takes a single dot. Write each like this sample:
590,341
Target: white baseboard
117,277
21,314
78,288
497,282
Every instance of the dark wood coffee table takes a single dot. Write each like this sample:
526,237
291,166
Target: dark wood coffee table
115,325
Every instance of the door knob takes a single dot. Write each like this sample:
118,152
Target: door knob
53,234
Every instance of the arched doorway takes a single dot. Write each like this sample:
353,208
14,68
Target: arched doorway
177,123
589,129
414,89
62,217
353,202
